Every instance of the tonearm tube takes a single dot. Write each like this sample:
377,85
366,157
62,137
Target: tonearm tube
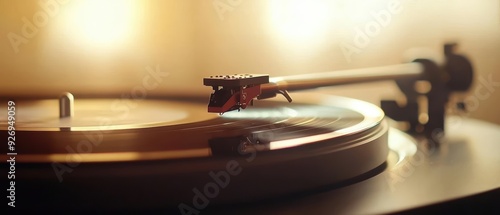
235,92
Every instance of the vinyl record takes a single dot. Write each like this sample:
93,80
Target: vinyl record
158,153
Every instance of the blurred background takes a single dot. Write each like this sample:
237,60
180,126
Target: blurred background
108,48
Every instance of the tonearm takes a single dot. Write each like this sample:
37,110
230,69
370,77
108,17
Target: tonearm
235,92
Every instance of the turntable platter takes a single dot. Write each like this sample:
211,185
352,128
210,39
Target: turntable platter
276,148
162,129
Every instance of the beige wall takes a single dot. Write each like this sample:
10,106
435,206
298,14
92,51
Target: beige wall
83,49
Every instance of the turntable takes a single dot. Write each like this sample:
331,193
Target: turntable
308,152
78,139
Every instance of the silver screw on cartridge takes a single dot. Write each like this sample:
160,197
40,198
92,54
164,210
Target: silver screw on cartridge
66,105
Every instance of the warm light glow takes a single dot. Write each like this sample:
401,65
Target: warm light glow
101,23
300,20
358,12
402,144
